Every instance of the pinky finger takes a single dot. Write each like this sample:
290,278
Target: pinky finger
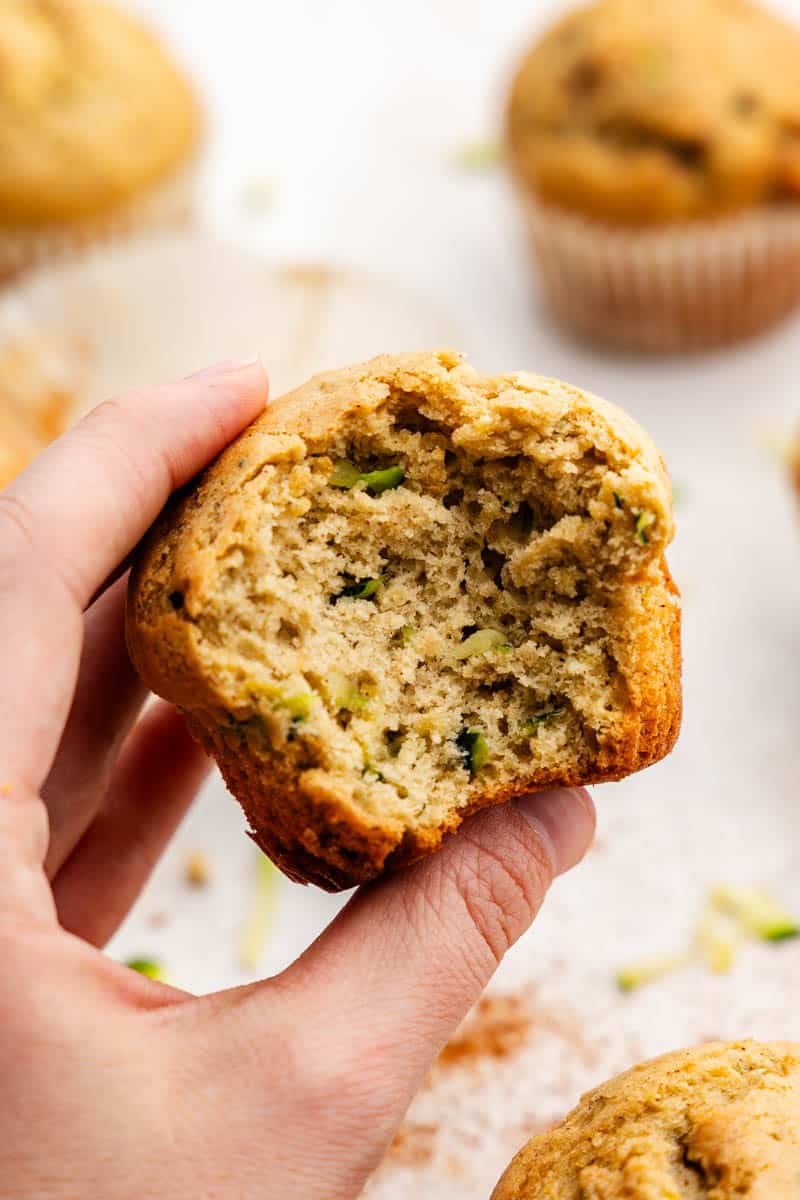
155,780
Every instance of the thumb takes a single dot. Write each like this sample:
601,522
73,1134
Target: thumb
408,956
375,998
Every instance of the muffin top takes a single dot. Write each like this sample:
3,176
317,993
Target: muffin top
719,1121
641,113
91,110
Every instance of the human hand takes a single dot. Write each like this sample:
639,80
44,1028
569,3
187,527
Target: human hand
120,1088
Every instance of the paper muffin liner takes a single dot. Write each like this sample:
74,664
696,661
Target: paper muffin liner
163,206
682,288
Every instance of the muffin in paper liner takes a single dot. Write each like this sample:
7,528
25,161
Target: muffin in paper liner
113,129
167,205
681,287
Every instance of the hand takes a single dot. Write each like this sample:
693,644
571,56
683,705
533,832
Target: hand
118,1087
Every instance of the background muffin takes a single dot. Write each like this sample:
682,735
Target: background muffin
721,1121
657,152
794,462
39,393
410,591
97,126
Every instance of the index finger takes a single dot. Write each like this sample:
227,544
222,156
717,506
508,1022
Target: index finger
90,497
74,514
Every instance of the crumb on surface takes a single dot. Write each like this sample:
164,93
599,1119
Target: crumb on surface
258,194
496,1028
478,155
414,1144
197,869
259,917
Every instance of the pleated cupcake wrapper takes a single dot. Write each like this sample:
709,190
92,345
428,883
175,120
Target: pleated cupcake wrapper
164,206
682,288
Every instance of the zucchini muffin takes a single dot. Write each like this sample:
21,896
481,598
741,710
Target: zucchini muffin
409,591
97,129
656,149
717,1122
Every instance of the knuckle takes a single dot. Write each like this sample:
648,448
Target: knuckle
344,1087
326,1084
36,834
109,426
16,527
109,413
24,827
105,429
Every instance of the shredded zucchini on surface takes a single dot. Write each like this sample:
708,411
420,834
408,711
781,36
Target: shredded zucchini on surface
259,918
149,967
636,974
757,912
731,914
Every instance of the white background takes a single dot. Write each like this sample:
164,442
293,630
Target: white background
354,111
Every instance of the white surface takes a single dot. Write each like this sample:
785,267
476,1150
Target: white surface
354,110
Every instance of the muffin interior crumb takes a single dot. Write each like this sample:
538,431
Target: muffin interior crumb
421,625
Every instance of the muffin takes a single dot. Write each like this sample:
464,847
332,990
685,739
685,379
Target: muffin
97,129
38,395
656,151
794,463
720,1121
410,591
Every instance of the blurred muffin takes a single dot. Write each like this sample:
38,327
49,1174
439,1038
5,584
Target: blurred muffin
38,395
721,1121
97,129
656,149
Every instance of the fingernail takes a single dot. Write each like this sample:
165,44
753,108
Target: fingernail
564,821
228,367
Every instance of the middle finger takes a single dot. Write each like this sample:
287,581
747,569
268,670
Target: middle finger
107,701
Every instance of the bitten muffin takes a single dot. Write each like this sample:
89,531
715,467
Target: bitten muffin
657,152
97,127
410,591
720,1121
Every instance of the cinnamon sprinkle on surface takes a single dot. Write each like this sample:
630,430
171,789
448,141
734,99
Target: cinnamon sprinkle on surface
413,1145
497,1026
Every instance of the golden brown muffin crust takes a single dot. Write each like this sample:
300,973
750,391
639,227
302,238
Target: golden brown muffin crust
92,110
344,790
642,113
717,1122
